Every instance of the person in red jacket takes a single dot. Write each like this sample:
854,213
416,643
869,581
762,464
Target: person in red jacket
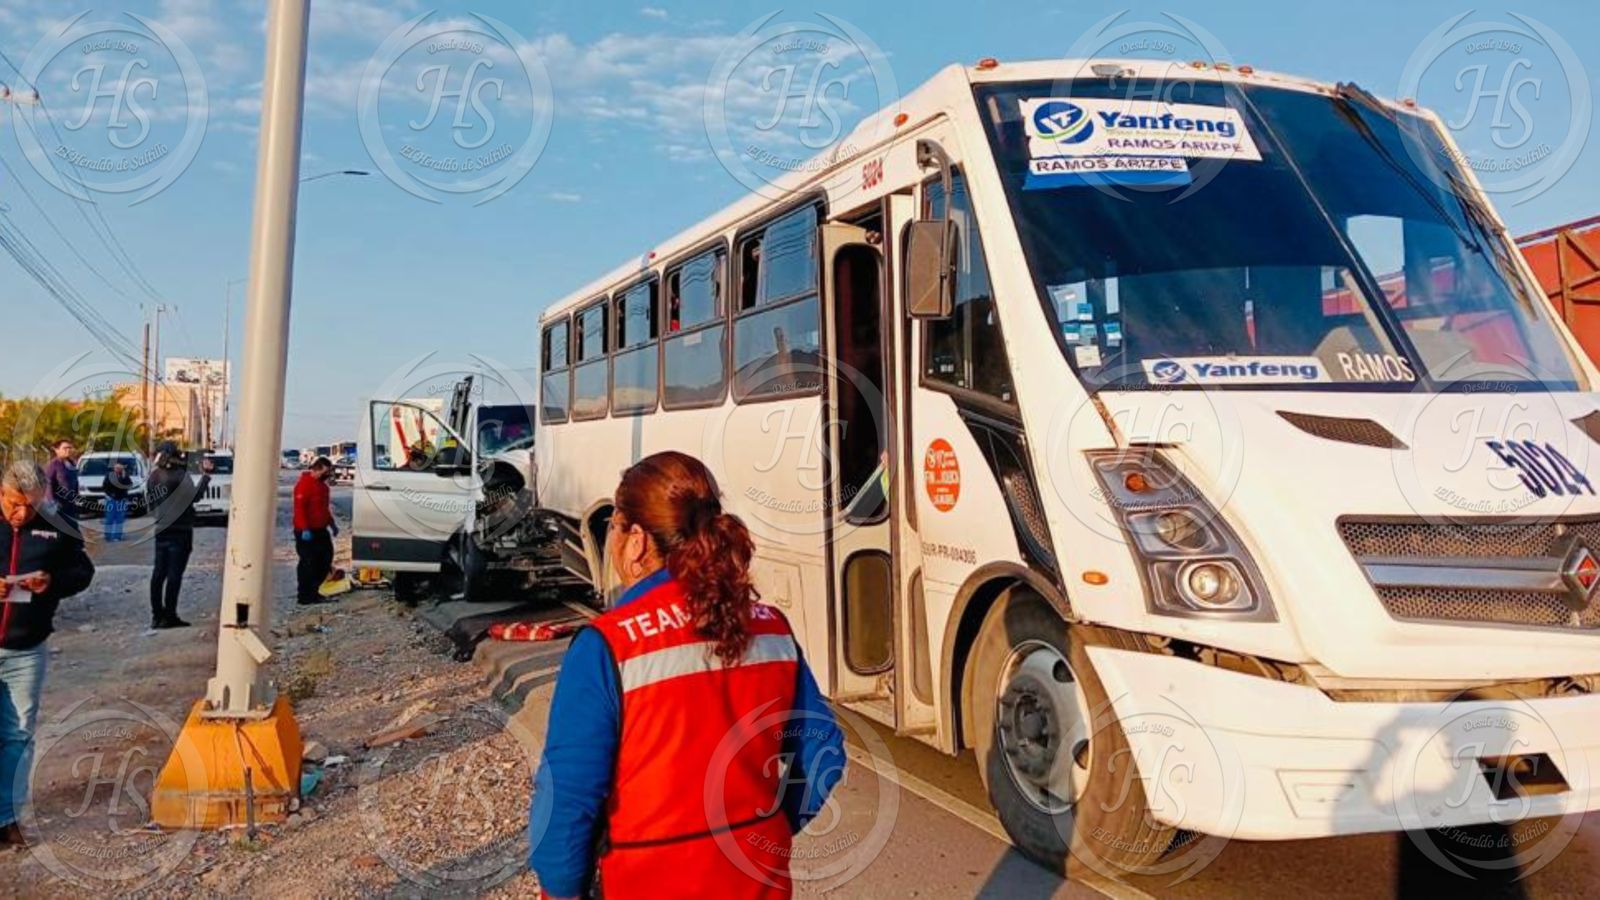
313,531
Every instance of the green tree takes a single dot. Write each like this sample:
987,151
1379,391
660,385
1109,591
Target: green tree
29,426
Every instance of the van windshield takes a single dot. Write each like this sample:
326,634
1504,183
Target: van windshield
503,428
1284,238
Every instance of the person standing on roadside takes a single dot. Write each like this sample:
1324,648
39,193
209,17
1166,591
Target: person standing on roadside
171,493
117,487
62,473
314,529
43,566
688,681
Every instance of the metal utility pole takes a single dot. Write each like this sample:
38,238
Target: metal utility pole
227,341
155,369
208,780
144,395
247,583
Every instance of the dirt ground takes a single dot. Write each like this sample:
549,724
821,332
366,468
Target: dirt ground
441,813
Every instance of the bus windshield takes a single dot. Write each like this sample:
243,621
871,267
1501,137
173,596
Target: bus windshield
1309,242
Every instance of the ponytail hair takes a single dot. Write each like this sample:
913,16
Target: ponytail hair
674,498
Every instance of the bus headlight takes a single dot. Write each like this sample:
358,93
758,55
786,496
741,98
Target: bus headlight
1191,560
1212,585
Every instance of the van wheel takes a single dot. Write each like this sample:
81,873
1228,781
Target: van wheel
474,578
410,588
1051,752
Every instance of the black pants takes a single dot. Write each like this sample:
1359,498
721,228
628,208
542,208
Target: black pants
316,561
173,547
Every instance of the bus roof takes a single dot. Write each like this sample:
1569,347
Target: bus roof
948,90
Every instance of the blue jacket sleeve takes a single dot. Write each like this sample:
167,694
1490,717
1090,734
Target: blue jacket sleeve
574,778
814,744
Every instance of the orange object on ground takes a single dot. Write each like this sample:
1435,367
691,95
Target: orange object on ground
203,782
532,631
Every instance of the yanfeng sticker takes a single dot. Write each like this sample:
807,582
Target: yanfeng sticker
1235,370
1077,140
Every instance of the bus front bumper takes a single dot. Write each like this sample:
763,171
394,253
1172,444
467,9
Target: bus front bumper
1249,757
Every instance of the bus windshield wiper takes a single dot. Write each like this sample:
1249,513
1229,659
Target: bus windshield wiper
1346,99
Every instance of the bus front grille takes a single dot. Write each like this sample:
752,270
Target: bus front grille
1489,572
1466,538
1529,609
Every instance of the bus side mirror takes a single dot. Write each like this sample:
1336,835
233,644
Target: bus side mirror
930,269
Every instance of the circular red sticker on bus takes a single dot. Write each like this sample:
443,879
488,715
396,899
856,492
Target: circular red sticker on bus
941,475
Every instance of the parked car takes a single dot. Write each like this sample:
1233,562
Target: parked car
218,499
92,471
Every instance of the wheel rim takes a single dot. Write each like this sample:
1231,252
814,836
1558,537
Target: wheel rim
1041,720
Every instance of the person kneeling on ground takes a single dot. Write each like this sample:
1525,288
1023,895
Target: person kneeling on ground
172,492
44,565
314,529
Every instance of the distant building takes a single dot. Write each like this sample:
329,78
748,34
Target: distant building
180,412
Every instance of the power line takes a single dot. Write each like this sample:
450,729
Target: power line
40,270
38,261
119,253
71,246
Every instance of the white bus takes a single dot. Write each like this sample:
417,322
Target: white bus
1208,463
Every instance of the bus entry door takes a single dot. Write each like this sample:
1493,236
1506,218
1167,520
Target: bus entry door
859,422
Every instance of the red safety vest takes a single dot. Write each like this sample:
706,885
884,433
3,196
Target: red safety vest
694,810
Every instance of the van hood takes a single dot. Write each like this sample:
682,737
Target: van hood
1285,468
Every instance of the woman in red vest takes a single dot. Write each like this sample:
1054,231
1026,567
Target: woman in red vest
687,740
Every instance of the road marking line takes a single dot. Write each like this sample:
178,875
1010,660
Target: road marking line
982,819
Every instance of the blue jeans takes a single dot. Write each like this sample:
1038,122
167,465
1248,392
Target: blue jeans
116,515
21,683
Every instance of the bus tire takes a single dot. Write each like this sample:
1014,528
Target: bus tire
1044,728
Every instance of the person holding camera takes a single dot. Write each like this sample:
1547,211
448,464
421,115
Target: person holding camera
175,484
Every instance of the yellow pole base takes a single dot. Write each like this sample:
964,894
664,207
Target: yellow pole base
203,783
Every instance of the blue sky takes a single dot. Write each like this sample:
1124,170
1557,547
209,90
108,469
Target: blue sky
384,276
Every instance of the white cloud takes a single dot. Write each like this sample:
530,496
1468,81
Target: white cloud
653,12
564,197
360,18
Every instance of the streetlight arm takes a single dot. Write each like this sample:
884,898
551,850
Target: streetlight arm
322,175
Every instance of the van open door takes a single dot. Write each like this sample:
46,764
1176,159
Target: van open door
413,490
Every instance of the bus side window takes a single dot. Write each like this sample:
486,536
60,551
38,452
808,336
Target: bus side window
693,353
591,374
777,336
967,350
749,273
634,365
554,379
